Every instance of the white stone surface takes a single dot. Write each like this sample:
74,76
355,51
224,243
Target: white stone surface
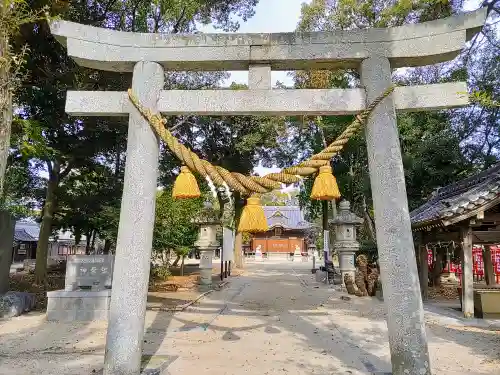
135,231
265,322
258,255
206,257
409,45
228,244
268,102
83,306
259,77
396,253
98,271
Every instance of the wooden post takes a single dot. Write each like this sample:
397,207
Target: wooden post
467,273
489,274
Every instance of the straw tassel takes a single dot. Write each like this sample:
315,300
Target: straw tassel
253,219
185,185
325,186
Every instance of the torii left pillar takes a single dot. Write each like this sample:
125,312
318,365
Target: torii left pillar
135,232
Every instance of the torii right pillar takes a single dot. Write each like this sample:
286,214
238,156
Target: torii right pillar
398,266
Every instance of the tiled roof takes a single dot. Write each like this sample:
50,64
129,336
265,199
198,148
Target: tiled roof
288,217
31,228
459,198
20,235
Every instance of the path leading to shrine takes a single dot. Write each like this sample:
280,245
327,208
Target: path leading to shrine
274,320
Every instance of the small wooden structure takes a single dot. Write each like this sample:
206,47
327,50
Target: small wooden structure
287,231
468,213
25,241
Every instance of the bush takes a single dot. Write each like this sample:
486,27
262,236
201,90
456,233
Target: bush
369,248
159,272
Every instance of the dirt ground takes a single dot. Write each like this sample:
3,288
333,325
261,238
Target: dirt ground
273,320
176,290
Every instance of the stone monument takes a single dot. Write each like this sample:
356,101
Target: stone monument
346,244
258,254
87,290
297,253
373,52
207,244
93,272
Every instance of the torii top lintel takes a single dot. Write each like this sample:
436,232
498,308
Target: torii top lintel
410,45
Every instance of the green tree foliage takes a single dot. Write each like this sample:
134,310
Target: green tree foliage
173,222
83,202
69,148
438,147
237,143
279,198
13,15
182,252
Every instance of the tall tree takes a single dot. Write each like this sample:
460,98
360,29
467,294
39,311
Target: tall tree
70,144
13,14
174,225
432,142
237,143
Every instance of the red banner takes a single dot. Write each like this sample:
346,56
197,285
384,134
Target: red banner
430,258
477,259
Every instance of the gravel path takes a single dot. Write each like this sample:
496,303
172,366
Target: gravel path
273,320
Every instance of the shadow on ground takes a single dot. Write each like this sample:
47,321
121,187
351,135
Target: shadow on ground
29,341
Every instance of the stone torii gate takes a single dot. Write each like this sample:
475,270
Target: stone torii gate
374,52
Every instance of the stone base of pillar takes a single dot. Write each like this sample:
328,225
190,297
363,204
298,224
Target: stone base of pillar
205,282
346,263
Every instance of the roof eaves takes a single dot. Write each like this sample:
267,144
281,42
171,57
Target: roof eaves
466,214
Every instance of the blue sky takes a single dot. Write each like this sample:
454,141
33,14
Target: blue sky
280,16
271,16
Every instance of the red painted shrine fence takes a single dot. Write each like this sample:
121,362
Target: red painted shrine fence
478,263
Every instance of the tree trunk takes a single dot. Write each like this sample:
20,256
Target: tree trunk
5,105
182,266
88,238
489,274
238,246
176,261
424,272
94,235
7,224
369,222
437,269
46,227
238,239
107,246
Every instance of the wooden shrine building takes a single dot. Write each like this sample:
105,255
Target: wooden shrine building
466,213
287,231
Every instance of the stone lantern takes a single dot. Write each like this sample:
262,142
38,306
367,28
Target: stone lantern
207,243
346,223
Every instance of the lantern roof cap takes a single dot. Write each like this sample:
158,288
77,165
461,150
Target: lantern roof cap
346,216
